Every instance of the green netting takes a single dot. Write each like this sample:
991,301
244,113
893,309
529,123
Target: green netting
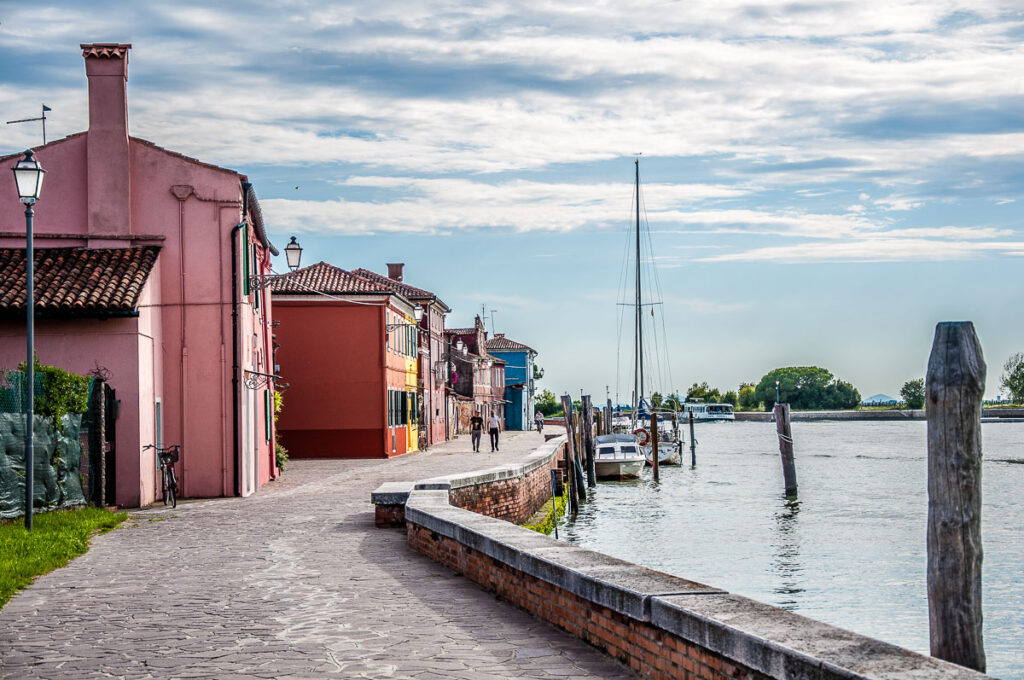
57,455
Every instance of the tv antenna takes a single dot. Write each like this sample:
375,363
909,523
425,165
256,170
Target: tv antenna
41,117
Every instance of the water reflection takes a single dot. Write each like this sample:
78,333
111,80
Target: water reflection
786,563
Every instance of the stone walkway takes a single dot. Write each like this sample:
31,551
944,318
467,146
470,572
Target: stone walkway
294,582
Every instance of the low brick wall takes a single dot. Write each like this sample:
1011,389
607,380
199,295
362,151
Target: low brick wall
511,492
660,625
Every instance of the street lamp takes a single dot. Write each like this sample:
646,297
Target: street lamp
417,312
28,175
460,346
293,254
777,400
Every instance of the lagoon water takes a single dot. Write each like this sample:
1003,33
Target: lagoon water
851,551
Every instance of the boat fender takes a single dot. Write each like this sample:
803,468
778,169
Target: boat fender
643,435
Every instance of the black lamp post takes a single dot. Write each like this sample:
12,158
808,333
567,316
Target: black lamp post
28,175
777,399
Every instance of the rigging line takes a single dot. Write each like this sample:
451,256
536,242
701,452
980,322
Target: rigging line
657,286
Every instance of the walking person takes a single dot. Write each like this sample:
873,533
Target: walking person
476,427
538,418
492,427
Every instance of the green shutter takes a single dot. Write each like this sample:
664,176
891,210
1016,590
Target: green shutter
245,260
267,411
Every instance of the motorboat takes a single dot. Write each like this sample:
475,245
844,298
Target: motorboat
618,456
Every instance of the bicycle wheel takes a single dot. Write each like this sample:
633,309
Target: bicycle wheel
167,486
174,489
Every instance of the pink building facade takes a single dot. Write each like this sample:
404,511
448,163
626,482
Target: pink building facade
181,359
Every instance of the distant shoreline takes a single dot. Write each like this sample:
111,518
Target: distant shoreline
987,414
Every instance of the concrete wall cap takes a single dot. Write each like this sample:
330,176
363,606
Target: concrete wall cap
783,644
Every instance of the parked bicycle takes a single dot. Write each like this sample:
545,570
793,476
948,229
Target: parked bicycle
168,455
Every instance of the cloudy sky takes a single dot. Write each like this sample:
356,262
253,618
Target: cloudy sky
823,181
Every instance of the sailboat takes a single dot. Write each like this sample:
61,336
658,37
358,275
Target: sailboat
669,441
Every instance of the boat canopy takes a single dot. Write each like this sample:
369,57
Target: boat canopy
611,438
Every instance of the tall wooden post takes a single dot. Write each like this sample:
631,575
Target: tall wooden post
588,440
954,388
786,447
608,417
693,443
581,483
654,446
570,465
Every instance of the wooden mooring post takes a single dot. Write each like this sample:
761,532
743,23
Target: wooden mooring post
782,427
570,463
654,446
954,388
608,417
588,440
693,443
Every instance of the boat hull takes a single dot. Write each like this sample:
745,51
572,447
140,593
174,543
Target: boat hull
619,469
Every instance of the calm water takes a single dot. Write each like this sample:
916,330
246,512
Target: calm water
850,552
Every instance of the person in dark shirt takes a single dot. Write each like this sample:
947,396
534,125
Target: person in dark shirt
476,427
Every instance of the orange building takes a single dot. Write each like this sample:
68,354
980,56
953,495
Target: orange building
348,351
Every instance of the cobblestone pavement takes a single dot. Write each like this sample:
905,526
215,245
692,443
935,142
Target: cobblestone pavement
293,582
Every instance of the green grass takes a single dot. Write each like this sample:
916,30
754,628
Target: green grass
55,539
547,525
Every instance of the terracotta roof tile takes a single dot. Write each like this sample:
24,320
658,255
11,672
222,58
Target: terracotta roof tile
326,278
93,282
400,287
105,50
500,342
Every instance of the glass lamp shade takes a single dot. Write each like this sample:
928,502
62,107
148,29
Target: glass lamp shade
293,253
459,345
417,312
28,175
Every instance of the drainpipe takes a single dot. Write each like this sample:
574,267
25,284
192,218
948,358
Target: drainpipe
235,349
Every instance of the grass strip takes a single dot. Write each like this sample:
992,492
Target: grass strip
547,525
55,539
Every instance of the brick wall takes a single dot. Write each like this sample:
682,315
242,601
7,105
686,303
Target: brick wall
660,625
645,648
513,500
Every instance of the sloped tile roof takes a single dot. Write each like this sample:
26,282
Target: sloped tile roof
500,342
400,287
93,282
460,331
326,278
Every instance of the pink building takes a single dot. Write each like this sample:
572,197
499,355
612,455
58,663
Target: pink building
182,333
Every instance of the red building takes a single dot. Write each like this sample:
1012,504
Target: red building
349,352
477,378
431,369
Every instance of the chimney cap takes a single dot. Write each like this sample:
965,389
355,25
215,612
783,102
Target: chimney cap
105,50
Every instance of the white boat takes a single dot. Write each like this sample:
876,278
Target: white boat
670,442
618,456
705,412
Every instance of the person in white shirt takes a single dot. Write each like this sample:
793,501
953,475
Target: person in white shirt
492,427
539,419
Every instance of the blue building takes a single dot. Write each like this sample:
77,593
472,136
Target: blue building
519,386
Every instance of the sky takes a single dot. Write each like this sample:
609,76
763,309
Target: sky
823,181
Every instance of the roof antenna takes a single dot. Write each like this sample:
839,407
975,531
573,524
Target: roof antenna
29,120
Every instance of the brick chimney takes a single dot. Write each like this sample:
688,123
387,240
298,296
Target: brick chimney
395,270
108,161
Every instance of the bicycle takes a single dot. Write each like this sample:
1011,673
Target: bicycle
168,455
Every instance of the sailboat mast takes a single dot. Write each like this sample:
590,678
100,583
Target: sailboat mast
639,308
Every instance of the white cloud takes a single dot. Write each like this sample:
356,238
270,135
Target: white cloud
873,250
